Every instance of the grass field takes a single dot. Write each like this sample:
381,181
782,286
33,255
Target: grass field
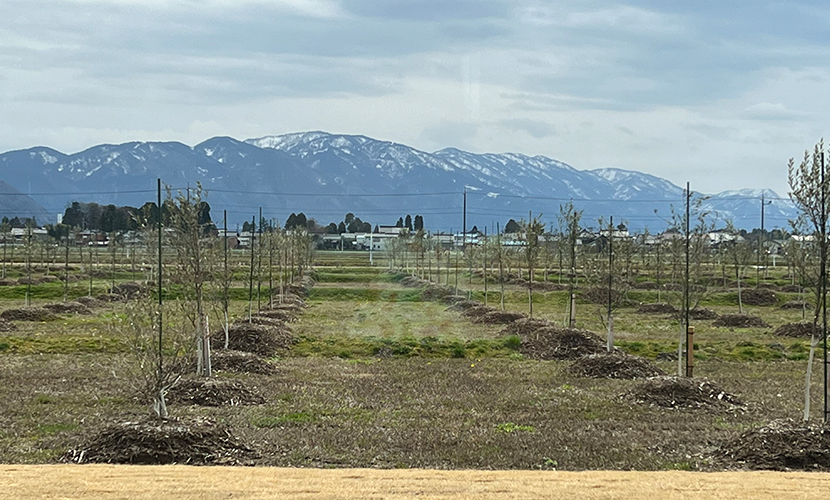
378,377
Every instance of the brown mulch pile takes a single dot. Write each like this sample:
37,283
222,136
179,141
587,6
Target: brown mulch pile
657,308
700,313
29,314
617,365
288,299
68,308
90,302
264,320
498,318
436,292
599,295
281,314
795,330
797,304
790,288
463,305
214,392
7,326
560,343
292,308
258,339
525,326
7,282
476,311
682,393
740,321
301,287
130,290
110,297
759,297
781,445
453,299
197,441
240,362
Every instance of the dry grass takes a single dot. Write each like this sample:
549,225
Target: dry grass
107,482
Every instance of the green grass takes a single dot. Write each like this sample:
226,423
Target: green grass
365,294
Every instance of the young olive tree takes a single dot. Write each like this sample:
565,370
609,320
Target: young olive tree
195,251
810,191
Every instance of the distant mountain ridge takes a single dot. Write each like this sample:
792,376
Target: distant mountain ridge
326,175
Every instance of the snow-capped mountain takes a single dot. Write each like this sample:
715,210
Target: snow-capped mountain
326,175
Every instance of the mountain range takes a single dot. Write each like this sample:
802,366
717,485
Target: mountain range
327,175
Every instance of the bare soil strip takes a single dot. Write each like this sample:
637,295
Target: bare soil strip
23,482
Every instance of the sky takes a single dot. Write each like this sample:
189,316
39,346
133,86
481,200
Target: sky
720,94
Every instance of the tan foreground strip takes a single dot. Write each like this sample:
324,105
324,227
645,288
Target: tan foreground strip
182,482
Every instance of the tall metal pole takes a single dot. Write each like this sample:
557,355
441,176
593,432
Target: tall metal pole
687,283
251,278
610,339
227,282
161,322
823,281
259,267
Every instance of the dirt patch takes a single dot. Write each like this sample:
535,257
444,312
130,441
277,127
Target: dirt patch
498,318
699,313
795,330
288,299
29,314
682,393
7,282
172,441
657,308
258,339
68,308
214,392
7,326
477,311
797,304
240,362
740,321
617,365
560,343
759,297
790,288
780,445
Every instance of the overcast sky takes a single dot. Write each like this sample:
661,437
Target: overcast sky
718,93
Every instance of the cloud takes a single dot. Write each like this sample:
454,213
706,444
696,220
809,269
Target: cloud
535,128
769,111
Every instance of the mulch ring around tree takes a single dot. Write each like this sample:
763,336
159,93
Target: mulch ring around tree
264,320
68,308
682,393
616,365
198,441
258,339
111,297
798,330
739,321
560,343
657,308
214,392
29,314
781,445
476,311
797,304
498,318
240,362
7,326
759,297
